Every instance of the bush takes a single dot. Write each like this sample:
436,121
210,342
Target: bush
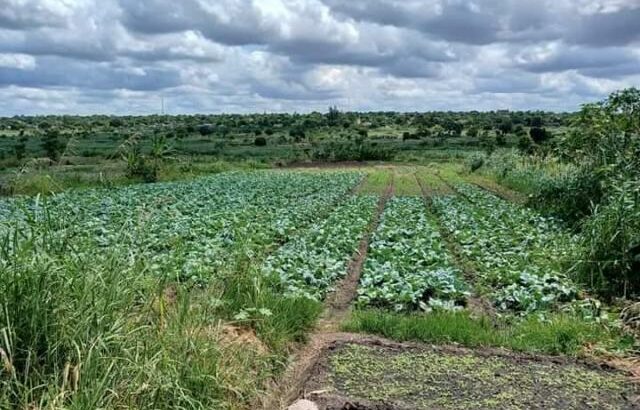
610,261
538,135
475,162
260,142
569,196
352,151
206,129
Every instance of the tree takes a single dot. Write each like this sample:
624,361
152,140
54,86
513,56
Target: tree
297,134
536,121
206,129
51,144
525,145
473,131
333,117
20,147
505,125
538,135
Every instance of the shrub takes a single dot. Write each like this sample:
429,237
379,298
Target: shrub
610,260
475,162
538,135
569,196
206,129
260,142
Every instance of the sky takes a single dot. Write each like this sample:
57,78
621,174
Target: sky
242,56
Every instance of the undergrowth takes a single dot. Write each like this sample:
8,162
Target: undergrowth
557,334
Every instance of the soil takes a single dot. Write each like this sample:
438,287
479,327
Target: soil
378,374
337,305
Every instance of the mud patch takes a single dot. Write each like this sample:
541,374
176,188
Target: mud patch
377,375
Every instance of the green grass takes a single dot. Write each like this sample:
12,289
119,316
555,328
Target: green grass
405,182
558,334
430,181
377,181
81,331
33,180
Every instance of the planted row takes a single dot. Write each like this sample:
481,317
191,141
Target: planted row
310,264
518,254
183,230
408,266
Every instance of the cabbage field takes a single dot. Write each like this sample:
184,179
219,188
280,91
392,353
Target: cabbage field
121,297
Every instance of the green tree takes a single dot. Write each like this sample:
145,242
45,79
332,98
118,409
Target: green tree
20,147
52,145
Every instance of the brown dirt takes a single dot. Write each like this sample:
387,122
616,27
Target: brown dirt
337,304
236,336
374,374
328,165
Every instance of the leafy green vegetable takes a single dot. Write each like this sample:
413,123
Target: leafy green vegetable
408,267
517,253
310,264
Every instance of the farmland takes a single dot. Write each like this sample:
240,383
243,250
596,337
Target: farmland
238,262
197,293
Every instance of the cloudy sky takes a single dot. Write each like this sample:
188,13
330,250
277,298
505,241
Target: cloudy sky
126,56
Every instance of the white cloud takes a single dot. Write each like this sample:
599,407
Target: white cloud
301,55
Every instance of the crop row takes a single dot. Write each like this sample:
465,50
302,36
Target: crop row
184,230
310,263
517,253
408,266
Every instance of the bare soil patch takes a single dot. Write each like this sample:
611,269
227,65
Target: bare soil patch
377,374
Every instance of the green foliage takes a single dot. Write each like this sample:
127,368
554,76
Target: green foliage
475,162
260,141
610,260
569,195
145,166
310,264
52,145
20,147
407,266
557,334
519,254
538,135
352,151
116,298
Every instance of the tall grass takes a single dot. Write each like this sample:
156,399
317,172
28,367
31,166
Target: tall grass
91,329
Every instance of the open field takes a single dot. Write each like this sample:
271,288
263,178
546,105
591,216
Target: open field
226,291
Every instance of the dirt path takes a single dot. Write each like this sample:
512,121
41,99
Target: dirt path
477,304
337,304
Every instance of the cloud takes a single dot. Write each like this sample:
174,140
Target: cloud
301,55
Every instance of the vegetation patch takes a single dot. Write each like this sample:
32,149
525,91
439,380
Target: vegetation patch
408,266
517,253
449,378
555,334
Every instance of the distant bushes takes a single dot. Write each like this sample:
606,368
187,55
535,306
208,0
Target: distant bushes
352,151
